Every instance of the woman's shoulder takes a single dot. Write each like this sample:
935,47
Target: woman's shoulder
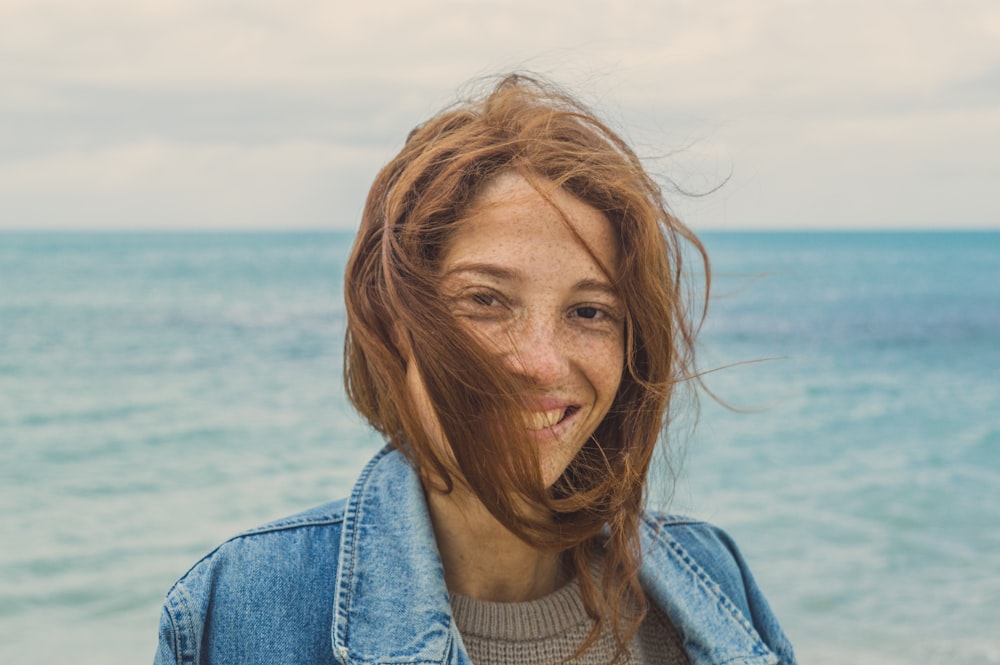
702,548
325,515
706,542
678,548
274,582
279,544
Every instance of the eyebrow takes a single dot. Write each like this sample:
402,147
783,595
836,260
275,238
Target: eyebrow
507,275
487,269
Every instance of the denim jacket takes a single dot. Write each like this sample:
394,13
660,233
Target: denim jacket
360,581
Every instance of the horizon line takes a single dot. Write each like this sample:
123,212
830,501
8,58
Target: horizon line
307,229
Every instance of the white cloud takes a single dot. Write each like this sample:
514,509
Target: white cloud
114,101
152,184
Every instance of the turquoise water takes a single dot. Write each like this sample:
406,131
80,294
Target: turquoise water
161,392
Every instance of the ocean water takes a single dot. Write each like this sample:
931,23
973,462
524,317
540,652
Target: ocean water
160,392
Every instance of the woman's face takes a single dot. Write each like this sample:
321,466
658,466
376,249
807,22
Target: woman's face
519,279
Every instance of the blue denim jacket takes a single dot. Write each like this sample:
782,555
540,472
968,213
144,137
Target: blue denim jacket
360,581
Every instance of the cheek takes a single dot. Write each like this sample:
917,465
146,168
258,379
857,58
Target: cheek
607,363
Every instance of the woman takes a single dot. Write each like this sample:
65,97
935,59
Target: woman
516,327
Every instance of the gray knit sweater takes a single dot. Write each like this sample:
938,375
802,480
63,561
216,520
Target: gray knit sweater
547,632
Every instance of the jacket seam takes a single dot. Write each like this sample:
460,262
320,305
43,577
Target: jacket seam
286,525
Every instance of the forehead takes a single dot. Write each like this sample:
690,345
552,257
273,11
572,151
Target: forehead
511,221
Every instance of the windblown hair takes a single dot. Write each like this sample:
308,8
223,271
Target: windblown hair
396,312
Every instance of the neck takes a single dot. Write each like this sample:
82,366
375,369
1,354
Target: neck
482,559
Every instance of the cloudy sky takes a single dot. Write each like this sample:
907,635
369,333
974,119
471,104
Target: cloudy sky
177,114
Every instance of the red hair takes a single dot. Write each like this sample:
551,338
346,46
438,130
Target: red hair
395,312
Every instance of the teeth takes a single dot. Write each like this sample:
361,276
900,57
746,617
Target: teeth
538,420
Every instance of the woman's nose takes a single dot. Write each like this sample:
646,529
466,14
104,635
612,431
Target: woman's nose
538,353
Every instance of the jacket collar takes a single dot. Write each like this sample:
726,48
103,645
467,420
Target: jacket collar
391,604
713,628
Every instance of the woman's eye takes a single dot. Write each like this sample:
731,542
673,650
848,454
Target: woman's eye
485,299
587,312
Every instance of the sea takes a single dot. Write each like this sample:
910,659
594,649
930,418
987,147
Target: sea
160,392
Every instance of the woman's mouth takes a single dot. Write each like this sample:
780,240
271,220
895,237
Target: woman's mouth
537,421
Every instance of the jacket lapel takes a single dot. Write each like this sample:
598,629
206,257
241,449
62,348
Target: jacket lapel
391,603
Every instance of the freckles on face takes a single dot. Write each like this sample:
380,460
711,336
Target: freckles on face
533,279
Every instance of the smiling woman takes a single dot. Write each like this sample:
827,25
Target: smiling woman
516,329
532,281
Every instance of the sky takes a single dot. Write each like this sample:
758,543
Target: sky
246,114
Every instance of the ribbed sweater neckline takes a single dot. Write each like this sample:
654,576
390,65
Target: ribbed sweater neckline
546,617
